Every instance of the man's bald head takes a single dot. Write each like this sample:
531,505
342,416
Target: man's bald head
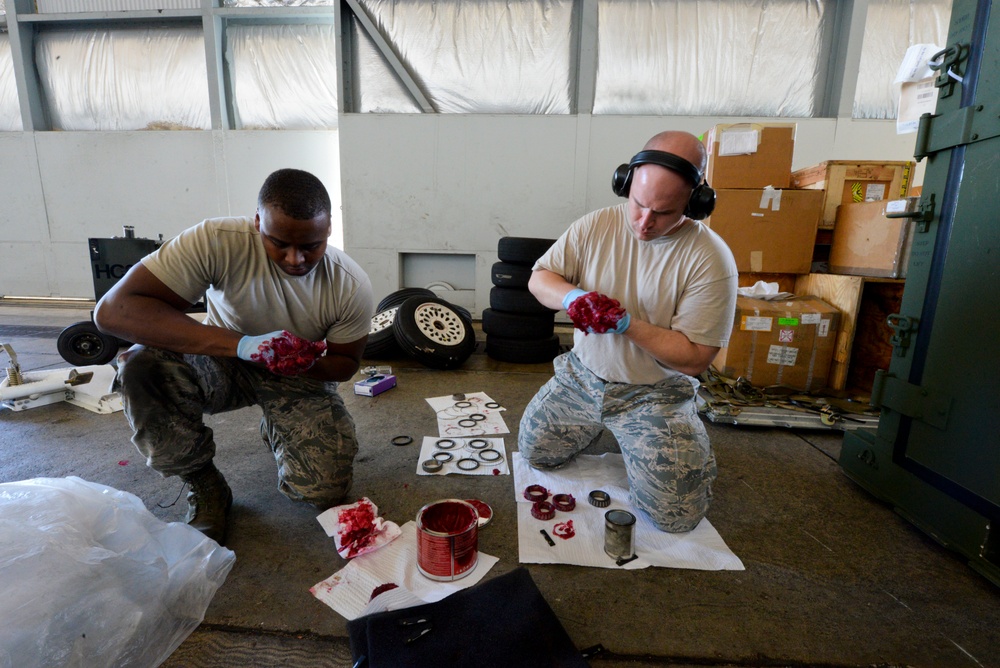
683,144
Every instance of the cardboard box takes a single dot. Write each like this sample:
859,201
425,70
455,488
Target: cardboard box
374,386
769,231
847,181
750,155
866,243
788,342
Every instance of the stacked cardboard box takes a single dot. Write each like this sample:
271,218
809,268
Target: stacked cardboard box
789,342
853,181
770,228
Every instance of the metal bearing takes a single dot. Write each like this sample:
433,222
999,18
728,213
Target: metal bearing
402,439
478,417
535,493
445,444
478,444
564,502
494,456
599,498
467,422
491,404
467,464
543,510
431,465
443,457
463,404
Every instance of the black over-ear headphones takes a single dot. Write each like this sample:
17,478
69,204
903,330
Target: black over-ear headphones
702,200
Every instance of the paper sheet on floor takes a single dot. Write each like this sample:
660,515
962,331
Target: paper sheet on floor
462,450
349,590
481,417
702,548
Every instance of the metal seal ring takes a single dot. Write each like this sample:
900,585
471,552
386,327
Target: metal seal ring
494,456
443,457
467,422
463,404
599,498
402,439
491,404
467,464
478,417
445,444
564,502
478,444
431,465
543,510
535,493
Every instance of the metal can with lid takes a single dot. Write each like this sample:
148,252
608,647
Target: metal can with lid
619,534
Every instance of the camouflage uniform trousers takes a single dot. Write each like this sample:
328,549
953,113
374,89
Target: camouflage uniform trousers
668,459
305,422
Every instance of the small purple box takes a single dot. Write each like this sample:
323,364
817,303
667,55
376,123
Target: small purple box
370,387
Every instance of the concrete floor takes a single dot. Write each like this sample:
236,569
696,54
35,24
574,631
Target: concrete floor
833,577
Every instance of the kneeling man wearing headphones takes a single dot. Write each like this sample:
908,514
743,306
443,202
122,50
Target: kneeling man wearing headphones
652,293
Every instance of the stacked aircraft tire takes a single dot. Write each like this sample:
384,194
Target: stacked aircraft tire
416,323
518,327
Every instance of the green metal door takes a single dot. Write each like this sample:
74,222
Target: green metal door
936,453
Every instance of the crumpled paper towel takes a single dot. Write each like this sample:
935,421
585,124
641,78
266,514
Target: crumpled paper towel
356,528
763,290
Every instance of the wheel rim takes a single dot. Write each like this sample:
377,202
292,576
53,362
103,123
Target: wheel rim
439,324
87,345
383,320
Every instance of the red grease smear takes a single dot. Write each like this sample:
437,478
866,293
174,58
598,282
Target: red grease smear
564,530
484,510
496,471
382,588
448,518
123,462
288,354
356,526
594,312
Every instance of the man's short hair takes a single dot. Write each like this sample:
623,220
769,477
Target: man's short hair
297,193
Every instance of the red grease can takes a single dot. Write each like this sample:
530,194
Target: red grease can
447,539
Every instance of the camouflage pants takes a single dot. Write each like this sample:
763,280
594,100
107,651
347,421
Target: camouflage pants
668,458
305,422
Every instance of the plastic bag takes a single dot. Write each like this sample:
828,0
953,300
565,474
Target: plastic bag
91,578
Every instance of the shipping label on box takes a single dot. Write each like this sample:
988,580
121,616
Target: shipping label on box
768,230
789,343
867,243
750,155
846,182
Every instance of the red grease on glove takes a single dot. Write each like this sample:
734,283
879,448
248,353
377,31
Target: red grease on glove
594,312
289,354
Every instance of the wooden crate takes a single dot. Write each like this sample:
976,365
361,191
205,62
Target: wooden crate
854,181
864,338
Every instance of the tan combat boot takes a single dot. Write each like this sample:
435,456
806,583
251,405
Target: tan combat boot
209,500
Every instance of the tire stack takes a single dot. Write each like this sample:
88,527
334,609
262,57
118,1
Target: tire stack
416,323
518,327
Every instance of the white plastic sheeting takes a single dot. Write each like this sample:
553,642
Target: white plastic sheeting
376,88
712,57
284,76
278,3
10,112
892,27
491,56
125,78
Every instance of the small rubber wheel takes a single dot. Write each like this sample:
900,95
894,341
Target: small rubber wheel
82,344
399,296
381,342
522,250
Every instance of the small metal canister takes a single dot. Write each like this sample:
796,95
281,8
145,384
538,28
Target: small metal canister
619,534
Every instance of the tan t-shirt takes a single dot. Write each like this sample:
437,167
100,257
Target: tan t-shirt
223,259
685,281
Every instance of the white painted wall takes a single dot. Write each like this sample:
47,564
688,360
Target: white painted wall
60,188
409,183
